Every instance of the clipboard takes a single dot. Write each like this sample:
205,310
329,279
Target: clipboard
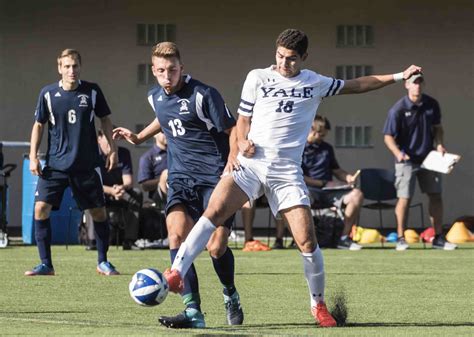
436,161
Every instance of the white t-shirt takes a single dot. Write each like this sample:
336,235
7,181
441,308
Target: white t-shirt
282,110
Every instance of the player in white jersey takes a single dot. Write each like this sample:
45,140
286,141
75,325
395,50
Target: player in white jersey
276,111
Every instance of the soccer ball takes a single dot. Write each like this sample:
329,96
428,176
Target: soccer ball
148,287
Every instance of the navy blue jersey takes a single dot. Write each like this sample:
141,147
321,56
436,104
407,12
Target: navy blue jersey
72,139
411,126
124,167
319,161
152,164
194,120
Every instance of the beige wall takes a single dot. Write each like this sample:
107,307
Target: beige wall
222,40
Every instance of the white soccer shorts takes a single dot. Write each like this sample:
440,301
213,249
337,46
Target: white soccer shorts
281,182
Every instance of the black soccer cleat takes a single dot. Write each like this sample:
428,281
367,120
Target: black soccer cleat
234,313
189,319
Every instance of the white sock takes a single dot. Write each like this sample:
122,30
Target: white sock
314,272
193,245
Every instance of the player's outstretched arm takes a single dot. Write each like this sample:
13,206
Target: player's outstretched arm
374,82
123,133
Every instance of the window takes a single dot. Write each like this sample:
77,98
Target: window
354,136
355,36
145,75
347,72
151,34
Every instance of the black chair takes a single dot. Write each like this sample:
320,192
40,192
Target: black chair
5,171
378,186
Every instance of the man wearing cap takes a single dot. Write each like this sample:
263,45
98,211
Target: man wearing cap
413,129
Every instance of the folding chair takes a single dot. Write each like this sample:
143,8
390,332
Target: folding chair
378,185
5,171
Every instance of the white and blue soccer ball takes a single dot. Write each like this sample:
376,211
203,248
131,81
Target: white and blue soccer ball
148,287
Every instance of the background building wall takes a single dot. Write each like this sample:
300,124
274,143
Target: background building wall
221,41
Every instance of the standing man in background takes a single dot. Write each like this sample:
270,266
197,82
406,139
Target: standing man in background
72,157
412,130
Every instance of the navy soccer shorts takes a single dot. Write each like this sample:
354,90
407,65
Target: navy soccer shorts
192,194
86,187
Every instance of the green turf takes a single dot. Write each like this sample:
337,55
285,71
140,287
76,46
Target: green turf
414,293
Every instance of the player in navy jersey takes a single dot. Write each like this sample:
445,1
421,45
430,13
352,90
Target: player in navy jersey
72,158
197,126
277,107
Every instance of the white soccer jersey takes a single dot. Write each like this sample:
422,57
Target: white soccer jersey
282,110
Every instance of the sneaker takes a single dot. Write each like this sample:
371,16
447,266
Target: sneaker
347,243
175,282
401,244
440,242
255,246
322,316
40,270
235,315
106,268
278,244
190,318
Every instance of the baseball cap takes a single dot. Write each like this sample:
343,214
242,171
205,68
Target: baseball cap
415,77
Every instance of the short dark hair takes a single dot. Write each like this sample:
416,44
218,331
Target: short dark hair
322,121
293,39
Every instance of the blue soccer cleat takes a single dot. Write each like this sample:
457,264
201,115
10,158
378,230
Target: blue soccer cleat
234,313
106,268
40,270
190,318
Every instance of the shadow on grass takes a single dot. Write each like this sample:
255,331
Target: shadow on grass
280,326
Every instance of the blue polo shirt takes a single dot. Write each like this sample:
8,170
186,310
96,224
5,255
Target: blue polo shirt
72,139
411,126
319,160
194,120
152,164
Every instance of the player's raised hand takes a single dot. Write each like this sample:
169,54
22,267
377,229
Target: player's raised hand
247,148
124,133
410,71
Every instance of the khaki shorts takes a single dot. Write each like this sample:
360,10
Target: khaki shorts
282,182
407,173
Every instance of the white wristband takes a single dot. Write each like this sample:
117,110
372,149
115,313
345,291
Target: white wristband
398,77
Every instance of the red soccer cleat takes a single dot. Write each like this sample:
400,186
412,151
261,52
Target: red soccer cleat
175,282
321,314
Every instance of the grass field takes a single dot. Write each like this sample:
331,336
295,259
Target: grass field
420,292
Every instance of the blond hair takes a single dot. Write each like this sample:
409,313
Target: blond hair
72,53
166,49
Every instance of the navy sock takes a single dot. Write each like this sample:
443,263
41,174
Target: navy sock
43,241
224,267
102,230
190,295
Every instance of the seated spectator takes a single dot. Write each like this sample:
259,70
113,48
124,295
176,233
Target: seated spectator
152,177
153,171
122,201
319,167
252,245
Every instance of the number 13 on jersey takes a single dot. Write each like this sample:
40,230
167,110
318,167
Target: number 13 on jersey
176,127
